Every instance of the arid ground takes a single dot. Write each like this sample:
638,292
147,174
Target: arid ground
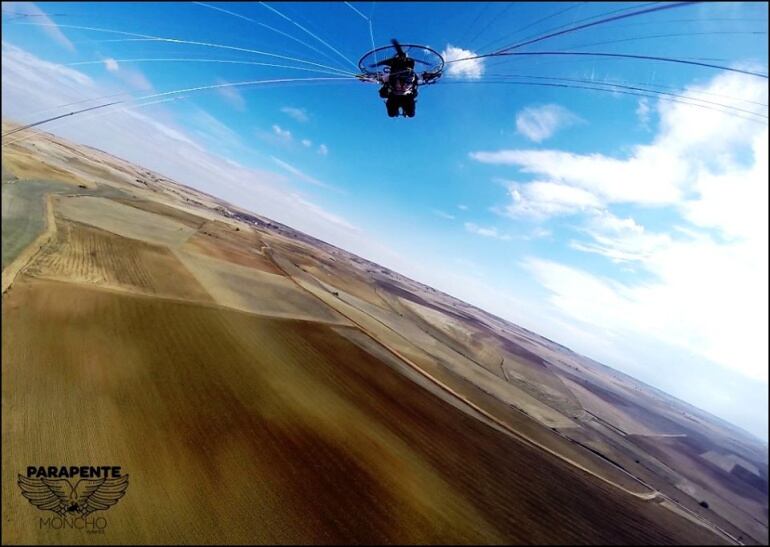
260,386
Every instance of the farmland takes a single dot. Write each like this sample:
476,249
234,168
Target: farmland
260,386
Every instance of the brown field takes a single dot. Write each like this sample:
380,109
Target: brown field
126,221
261,386
84,254
279,442
27,165
163,210
220,241
256,291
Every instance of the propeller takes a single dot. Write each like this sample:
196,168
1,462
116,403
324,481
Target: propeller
399,53
396,45
387,62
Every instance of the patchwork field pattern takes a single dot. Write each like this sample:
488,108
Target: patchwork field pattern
261,386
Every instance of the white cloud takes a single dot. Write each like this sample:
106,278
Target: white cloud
690,142
213,129
544,199
701,134
442,214
620,239
462,207
706,274
579,294
538,123
323,150
643,112
707,298
297,114
132,76
135,79
538,232
485,231
735,199
46,23
164,130
472,68
282,133
307,143
21,66
111,64
299,174
652,175
324,214
606,222
231,95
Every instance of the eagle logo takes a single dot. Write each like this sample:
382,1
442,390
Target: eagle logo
87,496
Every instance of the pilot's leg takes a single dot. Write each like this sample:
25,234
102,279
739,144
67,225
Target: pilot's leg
392,106
409,106
403,102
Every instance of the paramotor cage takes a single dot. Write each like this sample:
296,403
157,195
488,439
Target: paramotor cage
427,62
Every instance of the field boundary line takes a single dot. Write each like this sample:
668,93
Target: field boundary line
654,495
510,430
18,264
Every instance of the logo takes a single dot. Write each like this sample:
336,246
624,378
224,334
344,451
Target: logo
73,493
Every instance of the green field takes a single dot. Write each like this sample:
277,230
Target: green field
24,213
23,208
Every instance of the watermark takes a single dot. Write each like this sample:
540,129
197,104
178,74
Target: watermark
74,494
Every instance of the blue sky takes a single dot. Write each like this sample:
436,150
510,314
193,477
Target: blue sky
633,230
